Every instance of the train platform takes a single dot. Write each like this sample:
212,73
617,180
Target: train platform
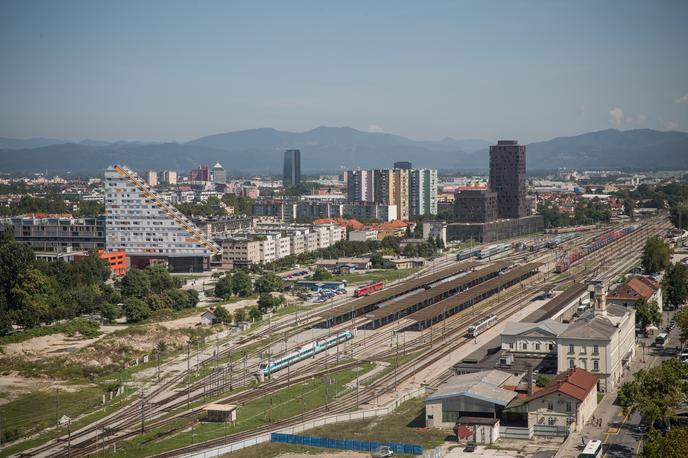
411,303
441,310
561,301
363,305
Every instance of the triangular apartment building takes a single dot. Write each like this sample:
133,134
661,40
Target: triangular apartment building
150,230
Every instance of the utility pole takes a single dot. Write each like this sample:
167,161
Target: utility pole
57,405
188,375
69,438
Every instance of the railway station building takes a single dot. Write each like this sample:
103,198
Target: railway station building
601,340
532,338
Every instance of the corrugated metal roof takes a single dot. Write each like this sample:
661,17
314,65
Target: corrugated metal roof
483,385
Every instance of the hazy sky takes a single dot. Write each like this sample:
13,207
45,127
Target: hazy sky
165,70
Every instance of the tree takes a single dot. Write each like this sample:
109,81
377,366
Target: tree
675,284
656,255
681,318
241,284
654,392
135,283
377,261
629,206
269,283
240,315
391,242
136,310
647,313
223,287
30,297
160,278
109,311
439,243
542,380
255,314
223,315
268,302
679,215
321,274
90,208
15,257
672,444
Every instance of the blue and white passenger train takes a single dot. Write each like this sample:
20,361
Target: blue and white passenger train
303,352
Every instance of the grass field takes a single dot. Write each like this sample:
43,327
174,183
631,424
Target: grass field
36,411
404,425
289,402
377,275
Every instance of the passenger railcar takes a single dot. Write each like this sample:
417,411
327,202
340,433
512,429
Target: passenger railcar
482,325
368,289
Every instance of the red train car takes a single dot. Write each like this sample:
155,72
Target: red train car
368,289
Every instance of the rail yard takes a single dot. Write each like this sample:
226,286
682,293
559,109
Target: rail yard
426,319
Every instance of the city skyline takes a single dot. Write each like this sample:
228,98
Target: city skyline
463,71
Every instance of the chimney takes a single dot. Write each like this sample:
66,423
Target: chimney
530,379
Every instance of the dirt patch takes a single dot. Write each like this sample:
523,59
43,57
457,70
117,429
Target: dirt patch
13,385
52,345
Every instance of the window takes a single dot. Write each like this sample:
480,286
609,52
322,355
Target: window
550,405
551,421
570,348
572,364
595,349
551,347
511,345
596,365
537,346
525,346
568,406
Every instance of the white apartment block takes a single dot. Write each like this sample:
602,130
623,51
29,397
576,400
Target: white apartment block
149,229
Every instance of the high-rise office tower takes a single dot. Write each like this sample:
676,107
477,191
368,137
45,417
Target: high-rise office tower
360,186
152,178
148,229
406,165
508,178
219,174
292,168
422,192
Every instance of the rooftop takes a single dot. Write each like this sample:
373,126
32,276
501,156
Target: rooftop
548,326
591,326
484,385
576,383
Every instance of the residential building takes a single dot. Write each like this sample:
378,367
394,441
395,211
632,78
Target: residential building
169,177
152,178
475,206
565,404
362,236
601,340
219,174
508,178
391,186
117,260
200,173
532,338
634,289
369,210
58,233
148,229
292,168
360,186
237,252
422,192
284,210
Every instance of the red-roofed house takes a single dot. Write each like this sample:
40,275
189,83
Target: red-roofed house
565,404
636,288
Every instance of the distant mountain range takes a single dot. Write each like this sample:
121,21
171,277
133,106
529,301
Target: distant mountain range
337,148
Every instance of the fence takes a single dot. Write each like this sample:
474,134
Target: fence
346,444
349,416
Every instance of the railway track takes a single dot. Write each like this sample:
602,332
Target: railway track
131,416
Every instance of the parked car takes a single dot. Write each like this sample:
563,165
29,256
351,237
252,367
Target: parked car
470,447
